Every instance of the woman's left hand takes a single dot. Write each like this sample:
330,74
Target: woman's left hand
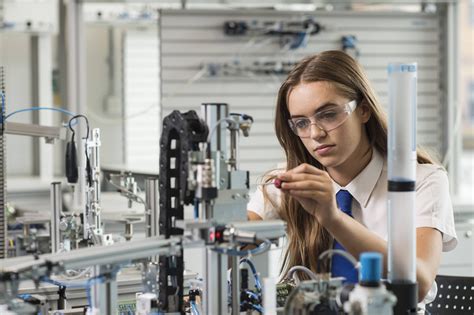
313,189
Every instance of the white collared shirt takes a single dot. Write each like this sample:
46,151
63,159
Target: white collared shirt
369,204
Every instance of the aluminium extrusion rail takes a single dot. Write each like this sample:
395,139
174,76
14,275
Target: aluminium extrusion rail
84,257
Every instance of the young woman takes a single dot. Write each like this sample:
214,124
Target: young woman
334,134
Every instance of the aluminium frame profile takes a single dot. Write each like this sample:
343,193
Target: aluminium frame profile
97,255
33,130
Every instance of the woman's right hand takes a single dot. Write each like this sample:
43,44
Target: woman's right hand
313,189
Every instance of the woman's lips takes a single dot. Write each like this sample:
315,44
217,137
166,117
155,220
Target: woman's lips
324,149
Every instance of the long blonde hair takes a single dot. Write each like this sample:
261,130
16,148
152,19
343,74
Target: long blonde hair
307,238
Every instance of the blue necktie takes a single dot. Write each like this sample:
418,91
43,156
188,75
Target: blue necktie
340,266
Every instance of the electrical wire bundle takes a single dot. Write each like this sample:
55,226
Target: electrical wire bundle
320,293
251,299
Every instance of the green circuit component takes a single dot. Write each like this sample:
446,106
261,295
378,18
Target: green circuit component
283,289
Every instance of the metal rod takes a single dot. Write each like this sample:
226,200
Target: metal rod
56,208
215,283
128,231
41,65
234,149
26,230
212,113
453,145
111,294
96,292
80,189
61,298
151,200
235,286
209,209
95,160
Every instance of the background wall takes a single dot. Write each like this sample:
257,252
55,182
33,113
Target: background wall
193,41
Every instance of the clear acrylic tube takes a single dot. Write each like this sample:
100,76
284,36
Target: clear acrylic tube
402,80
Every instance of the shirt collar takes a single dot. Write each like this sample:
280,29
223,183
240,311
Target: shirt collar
363,184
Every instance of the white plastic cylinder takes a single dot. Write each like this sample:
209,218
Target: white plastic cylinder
402,80
269,296
402,87
402,237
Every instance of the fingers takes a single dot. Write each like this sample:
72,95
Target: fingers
302,193
292,177
304,177
304,183
304,168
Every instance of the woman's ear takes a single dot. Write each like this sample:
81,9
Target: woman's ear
364,111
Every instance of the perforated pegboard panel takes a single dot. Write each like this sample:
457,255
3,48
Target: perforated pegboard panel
455,296
141,88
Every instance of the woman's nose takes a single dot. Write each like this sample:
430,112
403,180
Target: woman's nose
316,132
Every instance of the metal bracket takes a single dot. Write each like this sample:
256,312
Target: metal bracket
47,132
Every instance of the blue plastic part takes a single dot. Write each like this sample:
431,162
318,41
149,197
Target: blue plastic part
25,296
402,67
194,309
349,41
196,208
258,284
371,267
